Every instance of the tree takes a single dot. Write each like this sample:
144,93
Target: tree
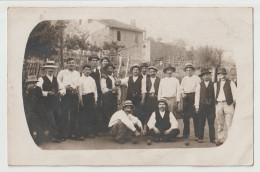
207,57
45,38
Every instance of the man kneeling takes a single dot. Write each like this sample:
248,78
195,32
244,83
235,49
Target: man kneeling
124,123
162,124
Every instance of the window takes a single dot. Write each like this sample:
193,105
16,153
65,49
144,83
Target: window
136,38
118,35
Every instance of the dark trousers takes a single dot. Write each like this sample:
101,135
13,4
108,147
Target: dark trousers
69,114
50,110
120,131
173,134
87,117
189,111
207,112
150,106
109,107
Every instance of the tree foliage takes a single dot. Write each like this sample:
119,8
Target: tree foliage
207,57
45,38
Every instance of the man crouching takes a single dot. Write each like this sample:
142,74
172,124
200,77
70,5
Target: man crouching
123,123
162,124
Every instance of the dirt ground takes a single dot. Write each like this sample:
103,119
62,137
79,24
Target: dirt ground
107,142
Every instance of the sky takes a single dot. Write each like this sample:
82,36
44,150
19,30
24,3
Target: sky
217,27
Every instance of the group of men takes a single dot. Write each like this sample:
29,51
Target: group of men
78,106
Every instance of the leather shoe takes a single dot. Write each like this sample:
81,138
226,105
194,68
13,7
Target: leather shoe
219,143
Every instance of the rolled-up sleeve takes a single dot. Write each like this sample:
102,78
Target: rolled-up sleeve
103,84
234,90
197,96
173,121
178,90
152,121
39,84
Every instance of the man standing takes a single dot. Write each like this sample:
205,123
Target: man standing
50,100
205,105
134,91
162,124
88,100
144,69
104,61
150,89
123,123
188,88
225,98
96,75
169,89
68,80
32,102
110,96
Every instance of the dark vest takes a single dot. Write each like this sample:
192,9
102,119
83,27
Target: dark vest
109,83
48,85
134,90
227,91
162,124
96,77
207,95
149,84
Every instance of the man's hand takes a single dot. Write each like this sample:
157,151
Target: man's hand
51,93
137,133
142,102
156,130
197,110
142,132
81,102
114,89
183,95
69,87
167,131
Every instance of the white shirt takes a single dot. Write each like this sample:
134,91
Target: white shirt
189,84
152,90
169,87
103,83
129,120
40,82
197,94
67,77
152,121
87,85
221,95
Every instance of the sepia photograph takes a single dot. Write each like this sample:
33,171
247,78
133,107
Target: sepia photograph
161,79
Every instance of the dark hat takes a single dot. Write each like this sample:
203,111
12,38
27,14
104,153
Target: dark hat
69,59
162,100
103,58
93,57
134,66
153,67
86,65
50,64
109,64
188,65
144,65
222,71
204,71
31,78
128,103
169,66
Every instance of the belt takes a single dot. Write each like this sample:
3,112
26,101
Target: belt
88,94
222,101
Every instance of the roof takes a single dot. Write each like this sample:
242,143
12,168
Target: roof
117,24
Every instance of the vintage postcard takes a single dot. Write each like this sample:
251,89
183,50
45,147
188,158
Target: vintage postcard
117,86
